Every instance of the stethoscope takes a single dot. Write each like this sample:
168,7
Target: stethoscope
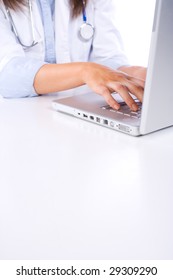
86,31
15,30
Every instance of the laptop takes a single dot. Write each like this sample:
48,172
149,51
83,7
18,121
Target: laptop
156,112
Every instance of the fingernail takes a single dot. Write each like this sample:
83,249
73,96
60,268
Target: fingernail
134,107
116,107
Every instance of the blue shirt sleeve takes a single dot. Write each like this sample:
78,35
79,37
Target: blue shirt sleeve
17,77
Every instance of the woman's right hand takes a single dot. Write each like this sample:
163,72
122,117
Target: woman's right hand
104,81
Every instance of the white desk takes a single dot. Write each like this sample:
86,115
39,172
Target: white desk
70,189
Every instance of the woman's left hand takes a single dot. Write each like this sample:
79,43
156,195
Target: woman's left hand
138,72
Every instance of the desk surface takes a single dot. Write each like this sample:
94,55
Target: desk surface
70,189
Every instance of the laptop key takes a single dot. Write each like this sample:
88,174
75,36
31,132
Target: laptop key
125,110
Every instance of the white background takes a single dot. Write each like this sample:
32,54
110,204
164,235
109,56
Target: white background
134,19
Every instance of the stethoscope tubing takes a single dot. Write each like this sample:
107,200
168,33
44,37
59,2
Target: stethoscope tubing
84,12
86,30
15,30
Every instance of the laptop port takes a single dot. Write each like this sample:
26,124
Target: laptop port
85,116
97,119
124,128
112,124
92,118
105,122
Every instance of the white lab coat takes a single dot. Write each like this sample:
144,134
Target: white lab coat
105,48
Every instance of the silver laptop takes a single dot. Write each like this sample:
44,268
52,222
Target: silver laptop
156,112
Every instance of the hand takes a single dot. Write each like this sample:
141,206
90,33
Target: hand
135,71
104,81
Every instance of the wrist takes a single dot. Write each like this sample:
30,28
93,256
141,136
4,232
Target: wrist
86,70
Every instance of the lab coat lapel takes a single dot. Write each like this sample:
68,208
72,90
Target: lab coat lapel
62,17
38,23
69,47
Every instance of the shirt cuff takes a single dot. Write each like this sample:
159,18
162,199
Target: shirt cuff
17,77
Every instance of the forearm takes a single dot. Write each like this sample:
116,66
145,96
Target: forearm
59,77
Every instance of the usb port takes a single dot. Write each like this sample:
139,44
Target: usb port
105,121
97,119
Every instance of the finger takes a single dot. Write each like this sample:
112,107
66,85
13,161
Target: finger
136,90
135,85
138,73
137,81
109,98
124,93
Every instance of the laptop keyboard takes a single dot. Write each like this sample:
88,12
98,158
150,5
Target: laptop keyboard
125,110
